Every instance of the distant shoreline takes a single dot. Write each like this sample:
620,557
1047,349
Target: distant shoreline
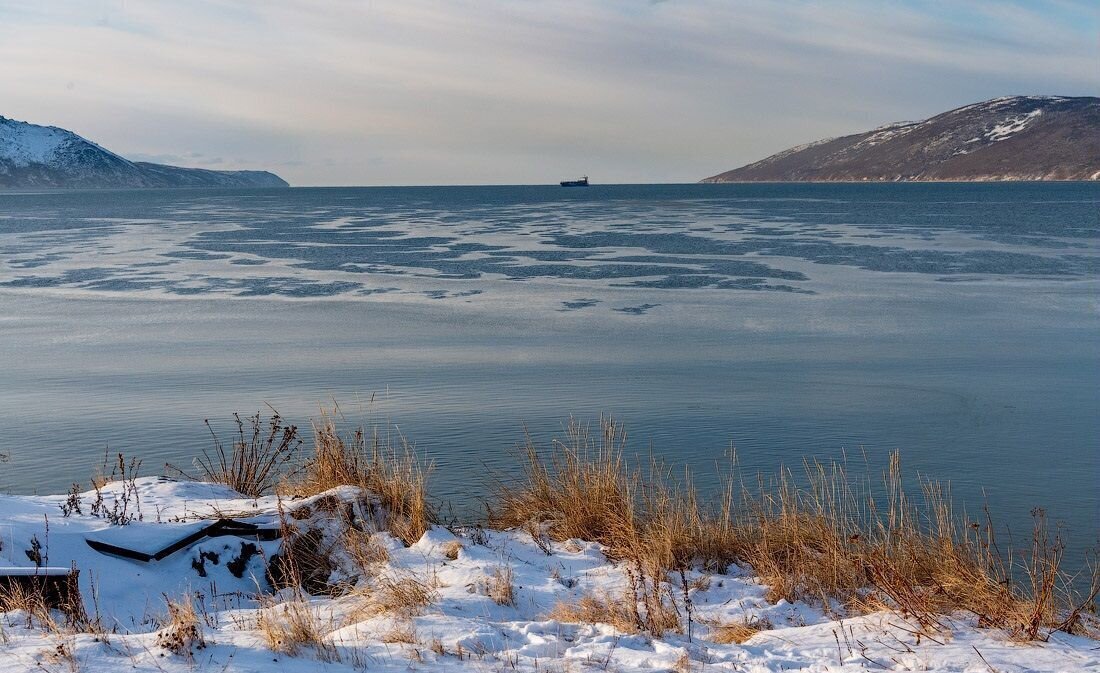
707,181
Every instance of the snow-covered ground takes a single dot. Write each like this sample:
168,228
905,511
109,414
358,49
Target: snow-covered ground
468,622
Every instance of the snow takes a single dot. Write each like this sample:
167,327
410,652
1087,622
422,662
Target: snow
991,104
1012,126
25,144
792,150
886,132
462,628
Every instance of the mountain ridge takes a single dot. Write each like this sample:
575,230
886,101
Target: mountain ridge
1003,139
49,157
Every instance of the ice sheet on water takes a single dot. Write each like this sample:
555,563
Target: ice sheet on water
467,244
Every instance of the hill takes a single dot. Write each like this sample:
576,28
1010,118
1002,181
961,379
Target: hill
1011,138
37,157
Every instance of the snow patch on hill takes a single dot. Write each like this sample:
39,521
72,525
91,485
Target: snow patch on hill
884,133
1012,126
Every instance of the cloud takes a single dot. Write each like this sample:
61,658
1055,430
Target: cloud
457,91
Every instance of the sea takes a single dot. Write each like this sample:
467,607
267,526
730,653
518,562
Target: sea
740,328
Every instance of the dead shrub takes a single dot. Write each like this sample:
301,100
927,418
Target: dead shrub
181,632
254,462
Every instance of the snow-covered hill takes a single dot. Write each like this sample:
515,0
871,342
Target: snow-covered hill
1010,138
33,156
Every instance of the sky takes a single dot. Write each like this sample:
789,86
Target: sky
381,92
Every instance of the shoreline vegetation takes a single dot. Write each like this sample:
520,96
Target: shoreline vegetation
350,503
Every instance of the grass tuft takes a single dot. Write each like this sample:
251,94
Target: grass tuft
725,633
501,586
181,633
583,490
591,608
292,627
384,466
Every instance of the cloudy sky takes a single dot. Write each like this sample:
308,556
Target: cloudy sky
389,92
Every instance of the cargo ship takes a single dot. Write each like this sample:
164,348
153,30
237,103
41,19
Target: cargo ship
582,182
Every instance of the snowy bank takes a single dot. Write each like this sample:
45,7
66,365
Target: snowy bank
473,599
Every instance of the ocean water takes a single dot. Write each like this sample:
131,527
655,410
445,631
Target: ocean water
956,323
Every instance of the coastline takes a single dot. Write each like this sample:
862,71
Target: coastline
362,574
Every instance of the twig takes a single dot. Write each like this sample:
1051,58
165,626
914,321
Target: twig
992,670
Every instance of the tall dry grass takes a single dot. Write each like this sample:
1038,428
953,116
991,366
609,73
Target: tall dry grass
384,465
827,537
582,489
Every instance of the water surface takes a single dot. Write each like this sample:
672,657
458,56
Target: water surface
956,323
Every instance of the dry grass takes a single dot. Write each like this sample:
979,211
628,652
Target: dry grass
583,491
593,609
368,552
683,663
586,490
304,562
31,603
292,626
827,537
384,466
403,596
62,654
53,608
700,583
820,536
181,632
833,540
402,632
501,586
738,632
264,455
452,549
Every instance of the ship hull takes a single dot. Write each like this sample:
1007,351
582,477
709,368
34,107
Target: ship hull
575,183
